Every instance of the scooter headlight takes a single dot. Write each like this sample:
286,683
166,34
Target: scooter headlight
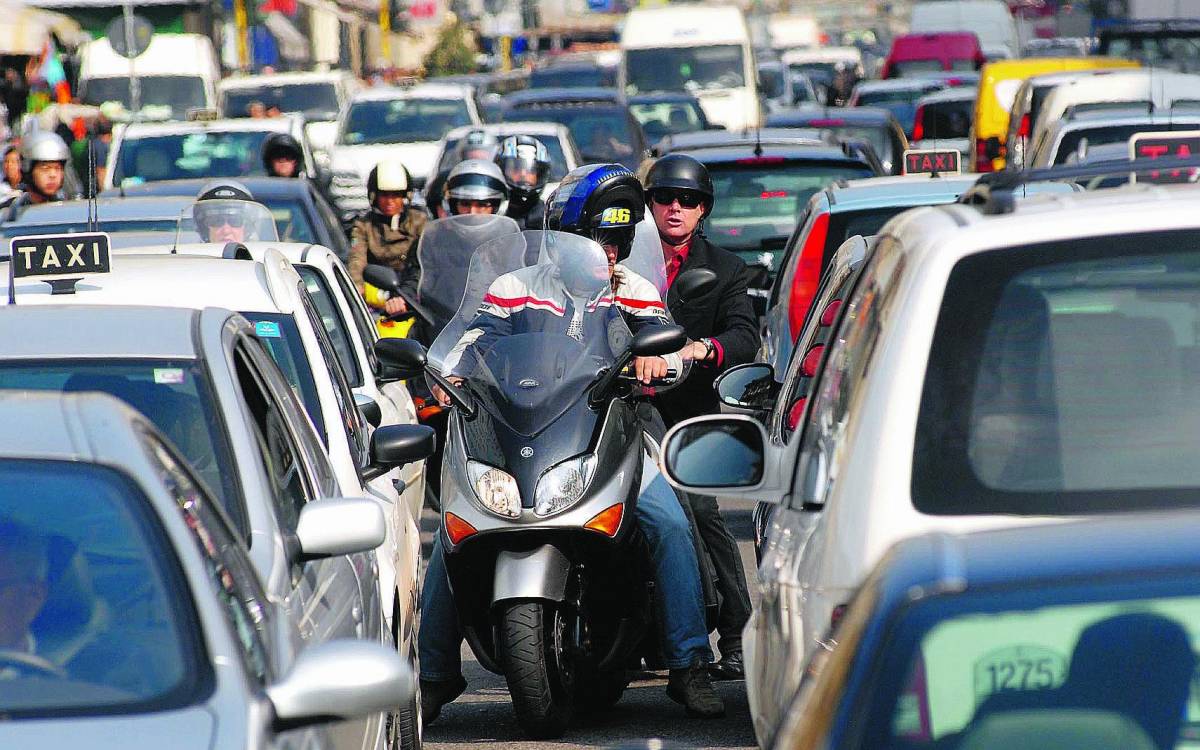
562,485
496,489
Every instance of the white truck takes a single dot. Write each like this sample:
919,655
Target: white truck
176,73
700,49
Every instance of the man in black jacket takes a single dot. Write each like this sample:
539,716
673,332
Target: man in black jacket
723,332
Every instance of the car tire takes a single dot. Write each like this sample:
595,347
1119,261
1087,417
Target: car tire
405,730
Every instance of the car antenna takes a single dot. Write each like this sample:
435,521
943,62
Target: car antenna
758,149
93,214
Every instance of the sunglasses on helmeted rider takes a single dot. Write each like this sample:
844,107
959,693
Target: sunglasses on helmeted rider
216,220
686,198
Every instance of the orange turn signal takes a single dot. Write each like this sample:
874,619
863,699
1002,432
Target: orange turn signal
458,529
607,521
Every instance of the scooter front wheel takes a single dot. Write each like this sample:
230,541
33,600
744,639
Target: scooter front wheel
533,649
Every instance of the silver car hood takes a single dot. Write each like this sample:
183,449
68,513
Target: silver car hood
188,729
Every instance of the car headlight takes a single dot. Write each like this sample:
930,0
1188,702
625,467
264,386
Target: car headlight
562,485
496,489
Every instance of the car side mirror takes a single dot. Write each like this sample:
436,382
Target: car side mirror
694,284
402,358
339,680
397,445
991,147
655,341
382,277
710,454
339,526
749,387
369,409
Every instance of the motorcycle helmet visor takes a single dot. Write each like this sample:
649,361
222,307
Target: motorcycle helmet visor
524,170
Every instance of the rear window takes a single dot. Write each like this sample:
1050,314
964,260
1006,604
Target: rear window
1062,380
402,120
1077,142
947,119
757,202
235,153
602,135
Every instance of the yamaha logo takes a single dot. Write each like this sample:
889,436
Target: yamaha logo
526,452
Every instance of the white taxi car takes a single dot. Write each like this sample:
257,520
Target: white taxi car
1008,364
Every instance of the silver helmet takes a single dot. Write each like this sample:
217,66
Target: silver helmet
43,146
477,180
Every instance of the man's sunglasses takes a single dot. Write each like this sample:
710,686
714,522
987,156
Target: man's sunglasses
217,220
686,198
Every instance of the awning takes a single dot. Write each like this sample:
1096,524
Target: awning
105,3
293,46
25,30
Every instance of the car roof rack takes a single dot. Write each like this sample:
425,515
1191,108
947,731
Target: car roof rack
994,192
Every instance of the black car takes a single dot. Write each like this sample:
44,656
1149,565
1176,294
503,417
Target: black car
1048,636
875,125
599,120
761,187
580,74
301,213
1173,44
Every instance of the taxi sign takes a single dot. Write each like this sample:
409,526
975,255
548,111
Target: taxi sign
932,161
58,259
1178,144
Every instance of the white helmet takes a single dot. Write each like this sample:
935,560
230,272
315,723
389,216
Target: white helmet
388,176
476,180
43,146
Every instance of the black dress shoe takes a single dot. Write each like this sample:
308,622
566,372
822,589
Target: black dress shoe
731,667
437,693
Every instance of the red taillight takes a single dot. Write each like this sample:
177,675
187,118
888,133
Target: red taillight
812,358
808,274
759,160
795,413
982,162
773,194
919,124
829,314
829,122
1023,128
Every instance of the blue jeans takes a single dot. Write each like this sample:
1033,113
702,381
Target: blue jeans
680,599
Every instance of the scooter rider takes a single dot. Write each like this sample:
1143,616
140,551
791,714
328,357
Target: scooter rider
44,158
525,163
282,156
604,203
475,186
225,211
387,234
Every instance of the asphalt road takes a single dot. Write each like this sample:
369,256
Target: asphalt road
483,715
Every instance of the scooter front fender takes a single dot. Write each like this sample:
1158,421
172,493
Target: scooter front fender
539,573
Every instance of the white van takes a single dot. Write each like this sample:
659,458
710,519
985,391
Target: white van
990,20
703,50
177,71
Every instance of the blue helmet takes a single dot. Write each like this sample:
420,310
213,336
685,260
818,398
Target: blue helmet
601,201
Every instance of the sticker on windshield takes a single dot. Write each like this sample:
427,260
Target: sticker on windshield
1024,667
168,375
267,329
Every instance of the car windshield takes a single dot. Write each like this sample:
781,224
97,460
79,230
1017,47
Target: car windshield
1076,142
174,395
1175,50
558,160
823,71
318,101
402,120
600,134
754,203
718,66
97,616
281,337
1036,353
180,93
879,137
659,119
570,77
947,119
291,220
190,156
876,97
912,67
1059,665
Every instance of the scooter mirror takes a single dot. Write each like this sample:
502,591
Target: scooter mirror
694,284
402,358
382,277
655,341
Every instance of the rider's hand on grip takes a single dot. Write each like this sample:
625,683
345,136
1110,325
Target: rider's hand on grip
442,397
395,306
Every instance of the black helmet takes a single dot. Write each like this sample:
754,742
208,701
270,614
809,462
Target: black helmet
601,201
282,144
681,172
525,162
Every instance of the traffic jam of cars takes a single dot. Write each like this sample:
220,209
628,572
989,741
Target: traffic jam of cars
327,393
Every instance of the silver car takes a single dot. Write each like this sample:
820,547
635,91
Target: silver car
133,615
205,379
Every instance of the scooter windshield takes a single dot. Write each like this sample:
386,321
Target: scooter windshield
445,252
531,339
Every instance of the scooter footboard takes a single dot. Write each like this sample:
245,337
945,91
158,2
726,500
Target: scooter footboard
539,573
